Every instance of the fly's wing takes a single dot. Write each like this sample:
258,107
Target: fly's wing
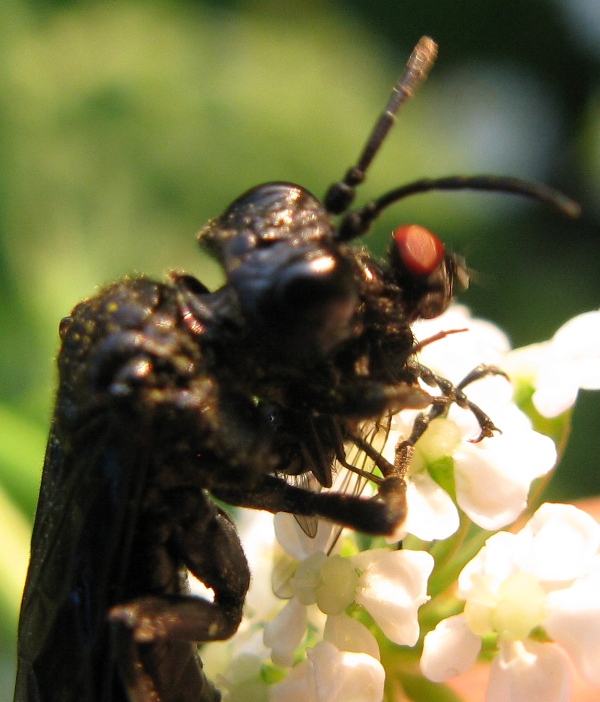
354,468
83,527
324,452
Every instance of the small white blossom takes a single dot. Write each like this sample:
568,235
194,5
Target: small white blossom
558,368
490,479
330,675
390,585
545,578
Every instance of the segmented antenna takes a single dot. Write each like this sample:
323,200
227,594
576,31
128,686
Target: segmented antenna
357,223
340,195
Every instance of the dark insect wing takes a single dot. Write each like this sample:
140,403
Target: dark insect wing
79,553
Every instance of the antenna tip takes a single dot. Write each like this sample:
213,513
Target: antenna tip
426,44
424,54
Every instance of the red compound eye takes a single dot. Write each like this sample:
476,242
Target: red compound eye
419,249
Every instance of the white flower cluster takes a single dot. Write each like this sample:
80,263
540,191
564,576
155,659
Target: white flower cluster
540,584
533,597
389,585
490,479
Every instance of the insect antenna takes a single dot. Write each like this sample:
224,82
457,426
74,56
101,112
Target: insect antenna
340,195
357,223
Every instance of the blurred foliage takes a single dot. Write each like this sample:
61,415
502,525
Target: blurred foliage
125,125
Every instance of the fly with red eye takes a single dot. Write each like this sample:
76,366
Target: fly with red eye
171,394
375,345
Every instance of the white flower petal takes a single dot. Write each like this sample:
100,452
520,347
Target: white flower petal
348,634
522,364
561,542
329,675
367,559
294,541
431,512
573,621
449,650
284,633
495,562
493,477
392,589
457,354
556,392
571,360
299,686
531,672
489,497
536,453
579,341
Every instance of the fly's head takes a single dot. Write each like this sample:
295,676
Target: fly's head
425,272
299,281
295,284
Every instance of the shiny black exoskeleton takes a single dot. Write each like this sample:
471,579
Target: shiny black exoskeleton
169,393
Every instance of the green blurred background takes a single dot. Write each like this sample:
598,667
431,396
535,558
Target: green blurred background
125,125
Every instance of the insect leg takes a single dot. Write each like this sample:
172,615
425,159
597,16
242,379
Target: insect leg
371,516
481,371
366,399
454,394
148,673
212,551
154,628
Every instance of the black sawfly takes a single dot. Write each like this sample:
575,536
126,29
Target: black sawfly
169,394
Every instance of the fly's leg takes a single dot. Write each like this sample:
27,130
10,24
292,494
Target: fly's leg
151,628
369,515
154,672
213,553
454,394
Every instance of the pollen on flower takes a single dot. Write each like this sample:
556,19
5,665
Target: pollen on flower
331,582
